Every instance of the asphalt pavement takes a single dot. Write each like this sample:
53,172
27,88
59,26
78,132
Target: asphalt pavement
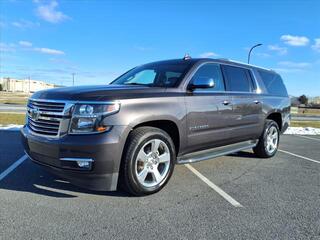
14,108
279,199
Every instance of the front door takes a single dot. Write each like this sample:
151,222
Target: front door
208,110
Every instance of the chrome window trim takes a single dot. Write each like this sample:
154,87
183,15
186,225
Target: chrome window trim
258,89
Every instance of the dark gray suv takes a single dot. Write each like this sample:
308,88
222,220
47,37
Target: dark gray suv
133,131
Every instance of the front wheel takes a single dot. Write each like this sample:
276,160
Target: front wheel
269,140
148,162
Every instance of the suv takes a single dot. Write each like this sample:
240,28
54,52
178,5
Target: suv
133,131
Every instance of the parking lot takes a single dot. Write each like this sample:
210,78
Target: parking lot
232,197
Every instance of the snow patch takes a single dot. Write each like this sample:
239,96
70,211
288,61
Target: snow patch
11,127
302,131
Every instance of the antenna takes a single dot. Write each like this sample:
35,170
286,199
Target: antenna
186,56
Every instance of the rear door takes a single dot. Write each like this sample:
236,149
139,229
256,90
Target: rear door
246,120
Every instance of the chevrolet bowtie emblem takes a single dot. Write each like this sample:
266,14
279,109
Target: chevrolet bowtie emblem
34,114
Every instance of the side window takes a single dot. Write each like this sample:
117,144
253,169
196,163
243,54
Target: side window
237,79
273,83
171,78
211,71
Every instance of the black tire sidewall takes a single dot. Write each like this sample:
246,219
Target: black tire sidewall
135,184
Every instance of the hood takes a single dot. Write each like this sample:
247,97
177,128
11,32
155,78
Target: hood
98,93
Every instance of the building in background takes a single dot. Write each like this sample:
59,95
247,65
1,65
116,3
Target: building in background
26,86
315,100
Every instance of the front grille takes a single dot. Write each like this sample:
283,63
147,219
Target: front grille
45,117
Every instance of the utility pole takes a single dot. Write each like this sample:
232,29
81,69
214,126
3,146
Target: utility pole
29,83
249,54
73,79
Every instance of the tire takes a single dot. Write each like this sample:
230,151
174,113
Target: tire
267,147
148,161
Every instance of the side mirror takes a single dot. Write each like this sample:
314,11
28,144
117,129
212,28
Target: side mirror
201,82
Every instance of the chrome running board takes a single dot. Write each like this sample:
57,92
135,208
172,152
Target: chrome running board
216,152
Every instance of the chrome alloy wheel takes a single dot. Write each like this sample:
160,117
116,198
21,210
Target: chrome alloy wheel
152,163
272,140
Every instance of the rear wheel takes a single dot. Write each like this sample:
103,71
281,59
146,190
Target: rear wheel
269,140
148,161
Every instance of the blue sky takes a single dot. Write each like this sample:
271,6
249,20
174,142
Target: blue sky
99,40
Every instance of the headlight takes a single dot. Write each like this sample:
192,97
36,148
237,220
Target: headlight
88,118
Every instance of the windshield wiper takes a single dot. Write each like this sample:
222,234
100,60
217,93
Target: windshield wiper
133,83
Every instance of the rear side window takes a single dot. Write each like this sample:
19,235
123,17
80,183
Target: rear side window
273,83
237,79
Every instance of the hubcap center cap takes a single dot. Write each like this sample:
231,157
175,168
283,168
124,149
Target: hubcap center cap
153,160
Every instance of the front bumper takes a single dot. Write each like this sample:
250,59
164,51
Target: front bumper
104,149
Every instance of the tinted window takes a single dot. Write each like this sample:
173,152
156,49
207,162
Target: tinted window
155,74
237,79
211,71
273,83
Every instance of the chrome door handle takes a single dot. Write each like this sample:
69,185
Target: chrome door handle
256,101
225,102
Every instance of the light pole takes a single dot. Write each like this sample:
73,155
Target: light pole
249,54
29,83
73,79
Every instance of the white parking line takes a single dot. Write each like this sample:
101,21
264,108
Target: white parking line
13,166
214,187
311,138
299,156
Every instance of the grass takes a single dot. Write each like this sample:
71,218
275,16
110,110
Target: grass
315,124
13,98
309,111
14,101
12,118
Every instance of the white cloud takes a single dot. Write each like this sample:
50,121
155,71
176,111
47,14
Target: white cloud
7,47
295,40
49,51
263,55
50,14
316,45
279,50
142,48
288,70
208,54
25,44
24,24
290,64
2,24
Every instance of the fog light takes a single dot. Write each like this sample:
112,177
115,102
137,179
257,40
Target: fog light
77,163
84,164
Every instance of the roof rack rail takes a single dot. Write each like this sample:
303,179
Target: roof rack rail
223,59
243,63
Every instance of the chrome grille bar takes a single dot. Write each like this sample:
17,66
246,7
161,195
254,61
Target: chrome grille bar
46,107
45,118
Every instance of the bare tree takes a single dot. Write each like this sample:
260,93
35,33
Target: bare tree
303,99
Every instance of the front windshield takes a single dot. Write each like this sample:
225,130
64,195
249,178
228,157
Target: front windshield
155,75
